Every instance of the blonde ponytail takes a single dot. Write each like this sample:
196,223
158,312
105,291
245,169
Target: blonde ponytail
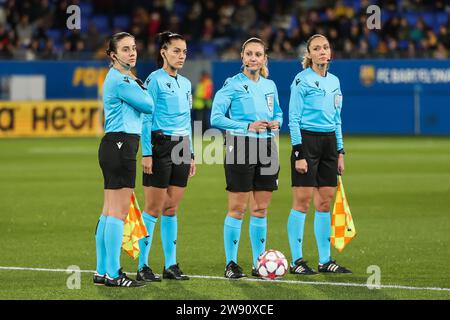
264,71
307,62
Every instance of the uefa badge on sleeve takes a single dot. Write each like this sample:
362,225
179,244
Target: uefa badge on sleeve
269,99
337,100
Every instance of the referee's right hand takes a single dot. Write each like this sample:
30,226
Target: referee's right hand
301,166
258,126
147,164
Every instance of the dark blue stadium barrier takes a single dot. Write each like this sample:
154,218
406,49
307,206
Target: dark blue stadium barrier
374,103
376,100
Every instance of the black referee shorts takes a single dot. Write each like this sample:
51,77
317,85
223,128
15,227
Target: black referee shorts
321,155
117,159
251,164
171,162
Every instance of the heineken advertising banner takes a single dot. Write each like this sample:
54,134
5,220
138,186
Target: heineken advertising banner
53,118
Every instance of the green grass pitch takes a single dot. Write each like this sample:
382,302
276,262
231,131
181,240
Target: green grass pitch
398,190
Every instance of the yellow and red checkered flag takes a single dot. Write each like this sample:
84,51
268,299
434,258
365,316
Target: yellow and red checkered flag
342,226
134,229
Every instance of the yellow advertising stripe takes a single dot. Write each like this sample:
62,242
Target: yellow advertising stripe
50,118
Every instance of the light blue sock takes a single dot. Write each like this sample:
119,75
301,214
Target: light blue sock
322,231
258,236
231,236
146,243
100,245
169,230
113,242
295,227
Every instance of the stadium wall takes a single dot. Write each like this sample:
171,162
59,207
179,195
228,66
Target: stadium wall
404,97
380,96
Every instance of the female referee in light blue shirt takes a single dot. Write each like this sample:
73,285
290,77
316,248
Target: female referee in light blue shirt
247,107
317,153
168,159
125,100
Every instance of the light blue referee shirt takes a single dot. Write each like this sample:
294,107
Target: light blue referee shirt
246,101
315,105
172,113
124,101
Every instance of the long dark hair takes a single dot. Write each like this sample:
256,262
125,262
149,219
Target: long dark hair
112,46
164,39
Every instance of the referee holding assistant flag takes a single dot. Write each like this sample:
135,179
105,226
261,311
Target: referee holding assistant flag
124,99
317,153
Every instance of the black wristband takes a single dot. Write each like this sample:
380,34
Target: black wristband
149,156
192,156
341,151
297,151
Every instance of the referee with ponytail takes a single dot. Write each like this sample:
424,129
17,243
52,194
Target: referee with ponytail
247,108
167,154
317,153
125,100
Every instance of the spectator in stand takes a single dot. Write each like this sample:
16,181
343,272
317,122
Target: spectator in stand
49,52
444,37
418,33
441,52
6,42
244,15
24,31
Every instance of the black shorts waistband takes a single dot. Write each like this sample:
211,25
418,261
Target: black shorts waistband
124,135
248,138
156,135
315,133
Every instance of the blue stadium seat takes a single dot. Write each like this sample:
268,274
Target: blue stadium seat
356,5
386,15
102,23
121,22
403,44
180,9
441,18
86,9
428,17
193,49
411,17
209,49
55,35
292,25
373,40
84,23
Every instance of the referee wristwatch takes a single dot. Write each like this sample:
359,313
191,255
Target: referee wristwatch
341,151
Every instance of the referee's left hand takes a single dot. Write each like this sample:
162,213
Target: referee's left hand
274,125
340,167
147,165
193,169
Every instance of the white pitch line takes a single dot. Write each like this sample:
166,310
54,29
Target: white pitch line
339,284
